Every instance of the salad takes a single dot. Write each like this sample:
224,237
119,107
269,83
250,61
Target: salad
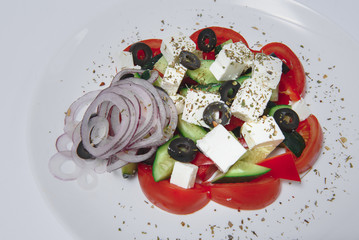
196,118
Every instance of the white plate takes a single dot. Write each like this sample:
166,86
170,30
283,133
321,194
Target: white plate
322,207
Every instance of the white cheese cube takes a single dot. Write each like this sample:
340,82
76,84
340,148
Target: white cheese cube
231,61
301,108
195,104
172,78
267,70
179,102
250,100
184,174
171,47
262,132
126,61
221,147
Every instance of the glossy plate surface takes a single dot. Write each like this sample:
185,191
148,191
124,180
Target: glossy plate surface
323,206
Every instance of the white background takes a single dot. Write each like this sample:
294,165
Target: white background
31,33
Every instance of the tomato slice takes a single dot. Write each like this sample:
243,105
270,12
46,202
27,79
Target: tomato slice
282,166
170,197
312,133
223,35
154,44
292,84
206,167
253,195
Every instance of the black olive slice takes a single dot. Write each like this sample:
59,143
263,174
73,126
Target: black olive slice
285,67
189,60
207,40
82,152
139,49
287,119
228,91
182,149
217,112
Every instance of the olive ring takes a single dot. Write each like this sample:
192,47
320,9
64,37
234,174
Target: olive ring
189,60
287,119
136,48
216,113
207,40
182,149
228,91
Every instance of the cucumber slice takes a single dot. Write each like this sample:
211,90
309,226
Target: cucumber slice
189,130
150,64
211,87
129,170
203,75
218,48
257,154
275,108
241,171
163,164
161,65
294,142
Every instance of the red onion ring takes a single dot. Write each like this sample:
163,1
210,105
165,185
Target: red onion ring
128,115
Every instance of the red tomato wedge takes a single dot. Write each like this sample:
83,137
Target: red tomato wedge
253,195
312,133
282,166
223,35
170,197
292,84
206,167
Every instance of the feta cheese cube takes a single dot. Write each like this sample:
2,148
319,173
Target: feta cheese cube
231,61
250,100
184,174
195,104
262,132
171,47
179,102
172,78
267,70
301,108
221,147
126,61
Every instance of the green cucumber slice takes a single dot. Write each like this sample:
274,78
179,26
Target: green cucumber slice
163,164
241,171
161,65
189,130
294,142
203,75
275,108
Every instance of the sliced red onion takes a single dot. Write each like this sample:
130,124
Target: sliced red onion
129,115
133,156
64,143
72,117
88,179
58,163
114,163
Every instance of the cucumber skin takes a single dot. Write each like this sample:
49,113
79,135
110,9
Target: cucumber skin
163,164
189,130
294,142
203,75
242,172
275,108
